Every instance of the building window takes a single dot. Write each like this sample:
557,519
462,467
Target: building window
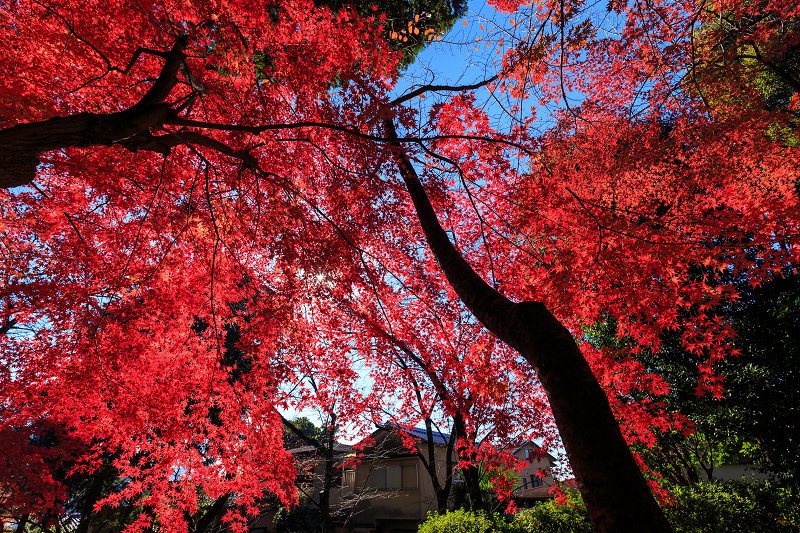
348,479
393,477
410,476
536,481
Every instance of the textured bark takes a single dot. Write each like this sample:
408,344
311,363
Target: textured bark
23,144
615,492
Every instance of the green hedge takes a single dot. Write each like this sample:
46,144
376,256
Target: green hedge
719,507
550,517
544,517
461,521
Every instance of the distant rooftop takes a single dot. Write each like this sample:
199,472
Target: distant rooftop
438,438
337,449
420,433
516,449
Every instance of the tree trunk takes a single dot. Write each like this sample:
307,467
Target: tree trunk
615,492
22,522
325,450
326,524
92,495
441,488
471,474
212,516
326,521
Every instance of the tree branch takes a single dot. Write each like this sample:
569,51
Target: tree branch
302,436
5,328
454,88
22,145
481,299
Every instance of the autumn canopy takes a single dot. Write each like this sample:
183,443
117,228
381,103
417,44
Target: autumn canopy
176,171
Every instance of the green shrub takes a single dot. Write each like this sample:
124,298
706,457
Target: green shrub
721,507
461,521
544,517
550,517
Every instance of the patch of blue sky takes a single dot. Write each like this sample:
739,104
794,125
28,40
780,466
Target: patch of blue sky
468,54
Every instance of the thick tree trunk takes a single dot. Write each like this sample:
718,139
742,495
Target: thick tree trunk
472,481
615,492
23,144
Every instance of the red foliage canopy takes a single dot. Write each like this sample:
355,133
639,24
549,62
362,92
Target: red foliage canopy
174,170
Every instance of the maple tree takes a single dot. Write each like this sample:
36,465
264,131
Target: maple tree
465,391
235,164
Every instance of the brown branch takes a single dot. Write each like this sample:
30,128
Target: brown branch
595,446
300,435
481,299
350,130
455,88
22,145
8,326
441,390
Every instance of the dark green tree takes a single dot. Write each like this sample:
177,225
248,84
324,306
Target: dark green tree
300,425
758,420
763,403
409,23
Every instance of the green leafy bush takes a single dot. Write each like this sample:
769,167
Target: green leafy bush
462,521
544,517
550,517
718,507
722,507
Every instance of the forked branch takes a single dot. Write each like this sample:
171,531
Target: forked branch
21,146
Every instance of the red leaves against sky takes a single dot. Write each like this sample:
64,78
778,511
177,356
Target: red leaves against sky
125,271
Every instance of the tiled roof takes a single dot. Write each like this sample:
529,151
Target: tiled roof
419,433
337,449
438,438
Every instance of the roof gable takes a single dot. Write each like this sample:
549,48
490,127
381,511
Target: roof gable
533,445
